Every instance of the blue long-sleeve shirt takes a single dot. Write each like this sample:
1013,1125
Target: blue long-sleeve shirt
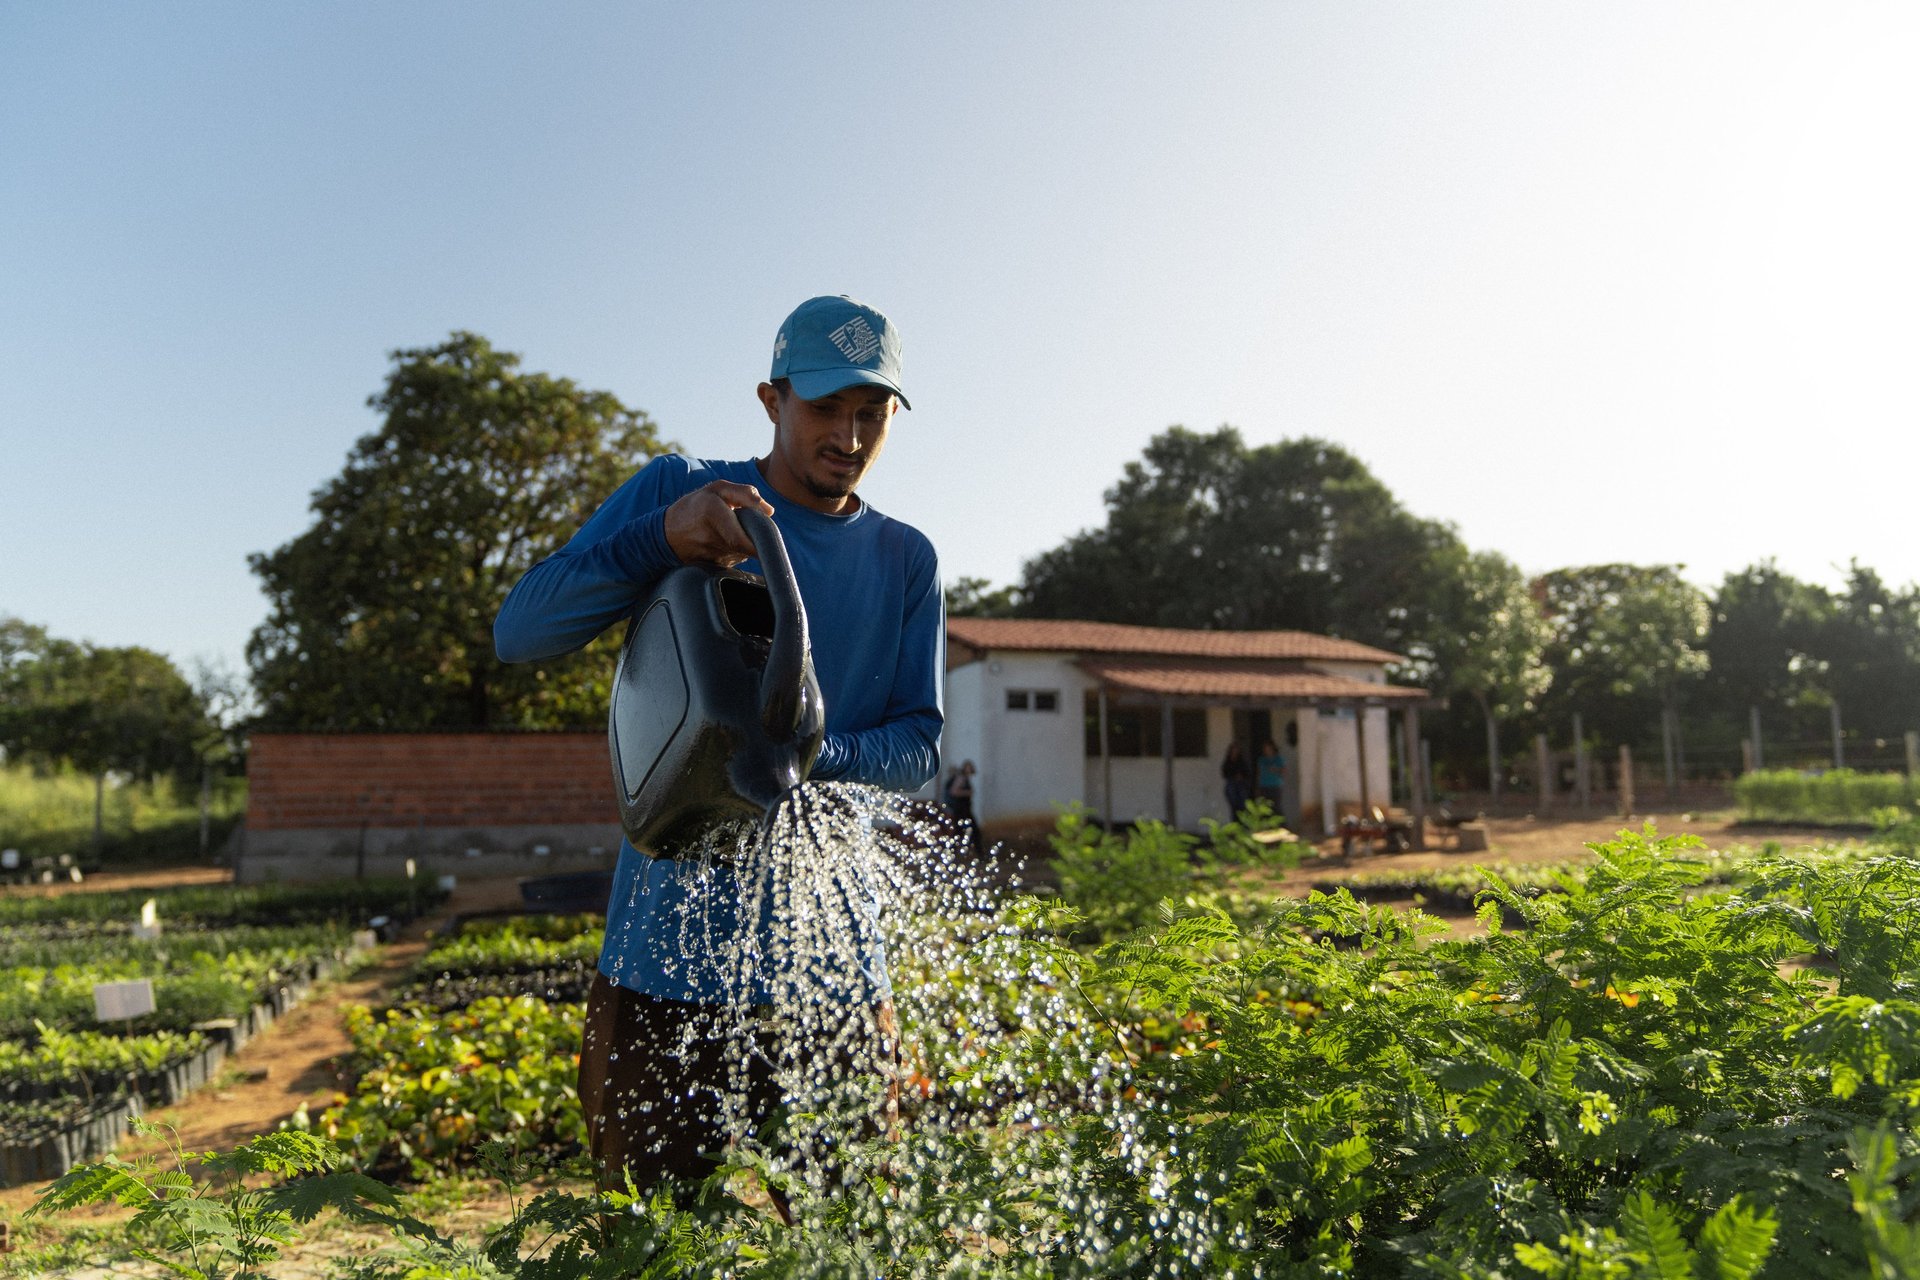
877,624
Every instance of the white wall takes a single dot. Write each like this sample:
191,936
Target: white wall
960,735
1028,761
1329,761
1032,762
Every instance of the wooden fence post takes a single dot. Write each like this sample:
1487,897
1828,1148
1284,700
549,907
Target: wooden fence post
1543,779
1413,744
1626,781
1582,775
1666,751
1166,762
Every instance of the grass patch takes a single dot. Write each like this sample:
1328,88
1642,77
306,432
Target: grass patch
50,814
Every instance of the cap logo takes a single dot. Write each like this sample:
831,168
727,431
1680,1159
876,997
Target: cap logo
856,340
780,345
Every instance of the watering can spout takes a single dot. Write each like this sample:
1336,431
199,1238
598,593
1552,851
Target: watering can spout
783,684
716,714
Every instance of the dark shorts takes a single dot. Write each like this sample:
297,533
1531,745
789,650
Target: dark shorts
652,1075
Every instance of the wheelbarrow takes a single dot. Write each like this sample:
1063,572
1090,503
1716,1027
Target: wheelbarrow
1376,828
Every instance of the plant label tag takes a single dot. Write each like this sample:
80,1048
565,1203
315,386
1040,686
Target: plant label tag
117,1001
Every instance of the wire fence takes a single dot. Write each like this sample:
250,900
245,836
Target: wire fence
1698,776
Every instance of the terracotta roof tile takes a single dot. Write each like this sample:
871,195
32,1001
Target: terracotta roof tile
1231,679
1113,637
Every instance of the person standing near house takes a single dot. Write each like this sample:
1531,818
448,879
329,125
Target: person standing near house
960,802
1270,773
654,1045
1237,774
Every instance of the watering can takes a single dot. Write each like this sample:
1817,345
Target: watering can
715,713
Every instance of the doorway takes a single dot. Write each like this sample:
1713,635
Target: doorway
1252,727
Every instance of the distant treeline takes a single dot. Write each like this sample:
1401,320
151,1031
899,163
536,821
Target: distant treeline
1206,531
380,615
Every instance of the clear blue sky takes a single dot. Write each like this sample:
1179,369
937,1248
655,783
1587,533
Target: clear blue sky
1623,282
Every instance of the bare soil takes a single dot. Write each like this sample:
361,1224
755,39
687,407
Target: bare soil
1553,839
106,881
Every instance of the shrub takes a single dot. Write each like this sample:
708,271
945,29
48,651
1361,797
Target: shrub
1836,796
1117,880
432,1087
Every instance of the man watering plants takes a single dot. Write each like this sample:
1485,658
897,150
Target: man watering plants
871,590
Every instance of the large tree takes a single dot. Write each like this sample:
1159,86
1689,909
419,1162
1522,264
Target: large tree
382,611
1764,650
1628,641
1204,531
1870,644
979,598
1489,643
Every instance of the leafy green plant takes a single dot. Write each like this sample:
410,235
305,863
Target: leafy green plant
433,1087
1635,1073
1117,880
224,1227
348,902
506,952
1350,1091
1840,796
62,1056
248,1205
1238,842
190,987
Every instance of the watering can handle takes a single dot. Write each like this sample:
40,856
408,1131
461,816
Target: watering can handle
785,674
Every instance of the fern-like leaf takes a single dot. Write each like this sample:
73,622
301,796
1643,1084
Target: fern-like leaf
283,1151
1737,1241
1650,1228
109,1180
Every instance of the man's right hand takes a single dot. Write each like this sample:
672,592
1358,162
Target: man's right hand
702,529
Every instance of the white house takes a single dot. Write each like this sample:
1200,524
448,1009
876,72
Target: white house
1132,722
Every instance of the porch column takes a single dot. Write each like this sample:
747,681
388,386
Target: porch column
1360,743
1166,758
1417,792
1106,762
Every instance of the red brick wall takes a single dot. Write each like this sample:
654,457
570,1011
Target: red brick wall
305,780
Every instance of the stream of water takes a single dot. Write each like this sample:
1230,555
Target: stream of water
944,1097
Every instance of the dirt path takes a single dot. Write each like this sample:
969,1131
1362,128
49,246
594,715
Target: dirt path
106,881
1528,839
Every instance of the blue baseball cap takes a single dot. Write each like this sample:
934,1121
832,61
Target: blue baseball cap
831,343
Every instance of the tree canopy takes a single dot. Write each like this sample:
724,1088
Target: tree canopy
97,708
1763,647
381,613
1626,642
1208,532
1205,531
